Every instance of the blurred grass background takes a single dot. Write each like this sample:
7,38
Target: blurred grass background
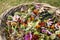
6,4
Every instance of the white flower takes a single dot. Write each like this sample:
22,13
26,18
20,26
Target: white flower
42,35
49,23
57,32
42,39
22,9
53,36
15,18
30,25
56,26
29,10
41,10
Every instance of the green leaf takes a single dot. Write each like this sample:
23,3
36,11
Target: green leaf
17,13
9,17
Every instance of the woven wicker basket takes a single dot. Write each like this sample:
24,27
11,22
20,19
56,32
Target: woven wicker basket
11,11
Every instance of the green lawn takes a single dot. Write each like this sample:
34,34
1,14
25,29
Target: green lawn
5,4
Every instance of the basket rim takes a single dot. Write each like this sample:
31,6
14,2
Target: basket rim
43,4
14,8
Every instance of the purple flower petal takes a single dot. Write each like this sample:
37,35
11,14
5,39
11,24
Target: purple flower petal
28,36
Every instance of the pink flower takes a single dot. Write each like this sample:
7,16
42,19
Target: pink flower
28,36
43,30
49,32
37,6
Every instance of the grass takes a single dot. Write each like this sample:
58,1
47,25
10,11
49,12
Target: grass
6,4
